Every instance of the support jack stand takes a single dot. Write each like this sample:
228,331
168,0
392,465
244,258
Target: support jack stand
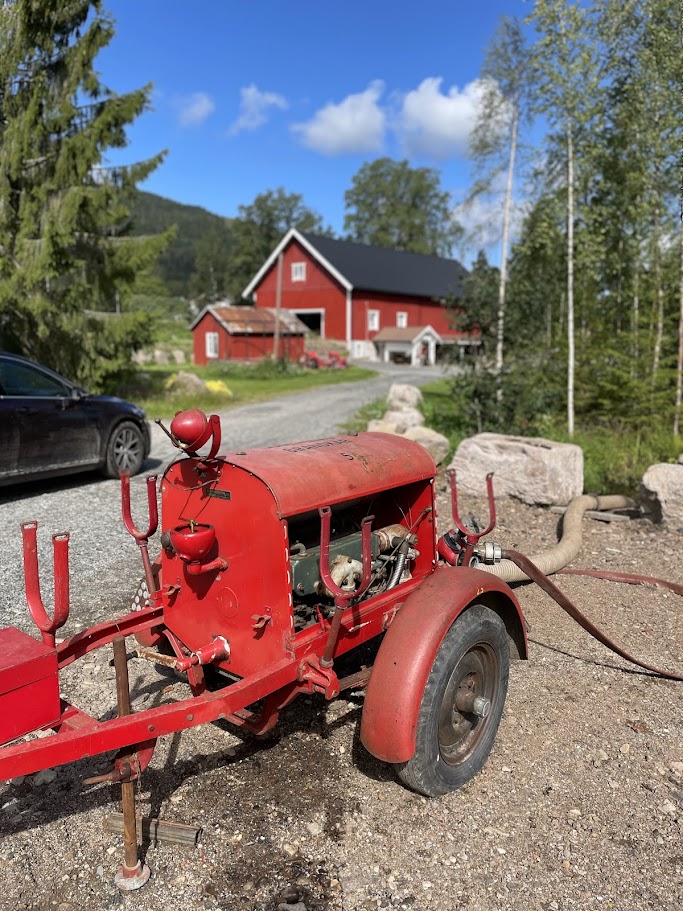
132,874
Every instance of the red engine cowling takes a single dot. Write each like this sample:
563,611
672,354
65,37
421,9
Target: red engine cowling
258,584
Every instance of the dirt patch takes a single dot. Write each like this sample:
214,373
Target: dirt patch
580,805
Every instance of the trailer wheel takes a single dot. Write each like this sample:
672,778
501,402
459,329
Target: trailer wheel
462,704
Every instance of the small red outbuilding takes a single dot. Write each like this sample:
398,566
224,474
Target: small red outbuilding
222,332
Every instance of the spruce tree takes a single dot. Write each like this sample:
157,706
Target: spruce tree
64,249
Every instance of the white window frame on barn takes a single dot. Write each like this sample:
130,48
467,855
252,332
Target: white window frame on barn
401,319
211,341
373,320
299,272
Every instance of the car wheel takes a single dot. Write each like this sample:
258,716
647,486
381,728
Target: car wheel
125,450
461,706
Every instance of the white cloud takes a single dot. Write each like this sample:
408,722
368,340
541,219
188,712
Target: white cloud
437,125
254,105
194,109
355,125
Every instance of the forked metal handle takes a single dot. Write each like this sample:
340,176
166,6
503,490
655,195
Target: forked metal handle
151,503
141,537
341,596
60,551
471,536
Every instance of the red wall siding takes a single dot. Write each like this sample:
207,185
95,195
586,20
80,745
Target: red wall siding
256,347
319,291
208,323
244,347
421,312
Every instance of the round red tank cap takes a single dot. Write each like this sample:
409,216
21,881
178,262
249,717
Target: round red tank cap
190,428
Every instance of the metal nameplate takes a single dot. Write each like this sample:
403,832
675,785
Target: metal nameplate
218,494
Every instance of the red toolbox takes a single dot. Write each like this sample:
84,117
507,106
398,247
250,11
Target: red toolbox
29,684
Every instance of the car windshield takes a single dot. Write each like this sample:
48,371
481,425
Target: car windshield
21,380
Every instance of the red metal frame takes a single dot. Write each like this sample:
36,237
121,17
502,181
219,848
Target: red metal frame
79,735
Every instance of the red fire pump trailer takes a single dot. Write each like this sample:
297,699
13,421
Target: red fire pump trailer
273,564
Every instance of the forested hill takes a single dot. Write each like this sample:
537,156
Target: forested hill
152,214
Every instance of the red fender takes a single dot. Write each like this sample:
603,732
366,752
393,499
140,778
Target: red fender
405,658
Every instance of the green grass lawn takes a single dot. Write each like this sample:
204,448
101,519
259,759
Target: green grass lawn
246,383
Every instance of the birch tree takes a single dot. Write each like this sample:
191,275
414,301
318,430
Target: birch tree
503,109
565,78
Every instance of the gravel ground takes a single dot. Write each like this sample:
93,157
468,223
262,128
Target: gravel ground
580,805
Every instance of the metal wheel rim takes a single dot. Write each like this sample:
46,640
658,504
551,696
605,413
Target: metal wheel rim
461,732
127,449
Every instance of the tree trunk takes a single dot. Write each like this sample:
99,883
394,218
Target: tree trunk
659,290
679,364
657,255
504,258
570,280
635,348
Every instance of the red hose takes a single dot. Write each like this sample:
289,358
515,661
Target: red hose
628,578
534,573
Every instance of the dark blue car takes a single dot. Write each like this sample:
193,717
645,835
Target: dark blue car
50,426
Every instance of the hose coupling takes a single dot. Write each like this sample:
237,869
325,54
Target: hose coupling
489,553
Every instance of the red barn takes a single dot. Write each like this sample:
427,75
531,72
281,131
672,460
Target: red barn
222,332
351,292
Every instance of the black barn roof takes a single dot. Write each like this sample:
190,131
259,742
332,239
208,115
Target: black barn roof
380,269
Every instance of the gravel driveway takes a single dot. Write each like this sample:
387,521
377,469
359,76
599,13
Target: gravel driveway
580,805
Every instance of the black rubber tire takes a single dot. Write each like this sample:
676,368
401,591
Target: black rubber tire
452,746
125,450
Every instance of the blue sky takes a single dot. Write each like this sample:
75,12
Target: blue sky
251,96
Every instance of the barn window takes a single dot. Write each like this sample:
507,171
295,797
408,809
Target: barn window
373,320
401,319
298,272
211,344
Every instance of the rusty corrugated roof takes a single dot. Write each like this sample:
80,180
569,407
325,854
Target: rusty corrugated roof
257,320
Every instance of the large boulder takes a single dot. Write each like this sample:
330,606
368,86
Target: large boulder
435,443
662,493
382,426
403,395
407,417
533,470
185,383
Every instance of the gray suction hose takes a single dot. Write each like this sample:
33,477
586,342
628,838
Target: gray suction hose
555,559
